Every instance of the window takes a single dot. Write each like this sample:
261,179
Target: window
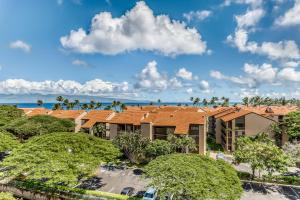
240,122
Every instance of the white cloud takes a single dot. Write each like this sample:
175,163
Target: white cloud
189,90
204,86
95,87
138,29
150,79
289,74
197,15
291,64
291,17
19,44
252,3
80,63
287,49
184,74
254,75
250,18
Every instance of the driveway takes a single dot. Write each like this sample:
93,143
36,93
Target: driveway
115,180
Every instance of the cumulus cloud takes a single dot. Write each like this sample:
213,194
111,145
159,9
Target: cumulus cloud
289,74
199,15
250,18
255,75
95,87
252,3
204,86
138,29
286,49
19,44
184,74
189,90
150,79
80,63
291,17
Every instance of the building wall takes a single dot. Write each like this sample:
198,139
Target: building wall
78,122
146,130
113,131
202,139
218,131
255,124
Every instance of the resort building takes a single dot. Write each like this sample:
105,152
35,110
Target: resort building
157,125
127,121
96,123
75,115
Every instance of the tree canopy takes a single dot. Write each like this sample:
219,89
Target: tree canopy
6,196
25,127
291,123
261,153
191,176
59,157
7,141
9,113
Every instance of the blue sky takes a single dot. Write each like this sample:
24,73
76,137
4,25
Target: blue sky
169,49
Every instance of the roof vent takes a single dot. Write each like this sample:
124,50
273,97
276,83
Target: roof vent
269,110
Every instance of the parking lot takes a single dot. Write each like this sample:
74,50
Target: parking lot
114,180
269,192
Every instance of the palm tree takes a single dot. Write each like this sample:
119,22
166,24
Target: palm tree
245,101
159,101
213,100
92,105
204,102
39,103
225,102
84,106
57,106
77,103
123,106
98,105
196,101
59,99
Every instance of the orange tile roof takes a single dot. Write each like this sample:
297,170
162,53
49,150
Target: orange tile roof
271,110
217,110
36,111
181,121
128,117
67,114
235,114
95,116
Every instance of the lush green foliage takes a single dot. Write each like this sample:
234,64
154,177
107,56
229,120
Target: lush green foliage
158,148
133,146
291,124
261,153
9,113
25,128
7,141
190,176
293,148
183,144
6,196
60,157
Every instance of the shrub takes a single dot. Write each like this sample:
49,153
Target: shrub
158,148
6,196
9,113
7,141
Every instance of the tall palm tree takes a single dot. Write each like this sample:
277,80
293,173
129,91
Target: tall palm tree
225,102
57,106
92,105
158,101
245,101
39,103
60,98
213,100
196,101
66,103
122,107
77,103
204,102
84,106
98,105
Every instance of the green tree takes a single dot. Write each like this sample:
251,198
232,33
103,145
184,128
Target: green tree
291,125
293,148
183,144
158,148
6,196
133,146
9,113
39,103
25,127
261,154
190,176
7,141
60,158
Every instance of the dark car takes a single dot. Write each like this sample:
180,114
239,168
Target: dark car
127,191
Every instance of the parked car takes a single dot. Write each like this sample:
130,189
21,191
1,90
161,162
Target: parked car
127,191
150,194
